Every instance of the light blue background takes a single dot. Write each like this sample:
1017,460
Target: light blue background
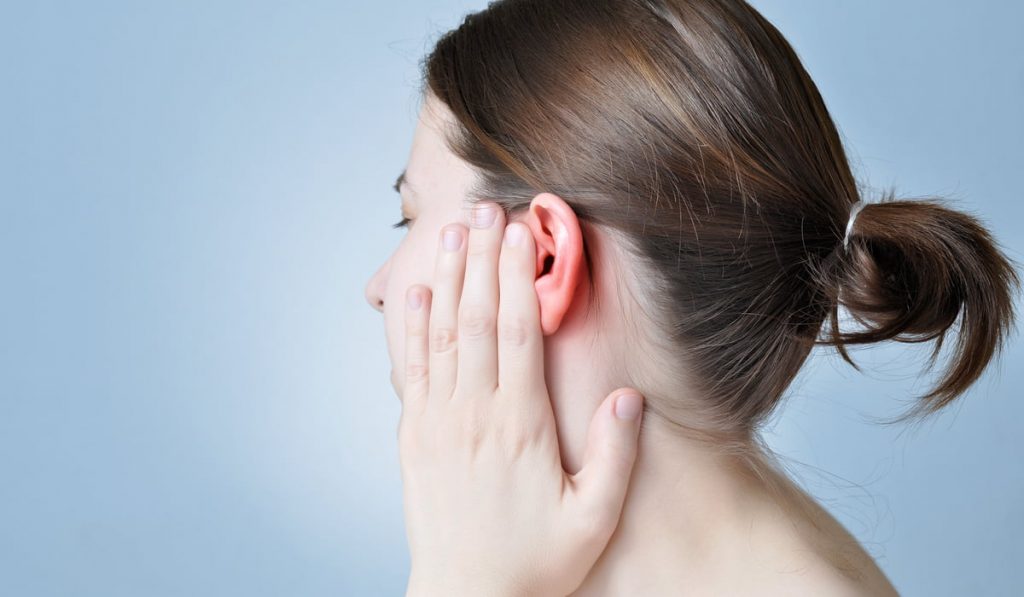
194,394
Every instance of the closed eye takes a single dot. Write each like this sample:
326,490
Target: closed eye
403,223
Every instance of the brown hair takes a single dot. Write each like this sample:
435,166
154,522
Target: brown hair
690,130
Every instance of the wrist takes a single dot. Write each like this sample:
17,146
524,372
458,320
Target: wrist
422,586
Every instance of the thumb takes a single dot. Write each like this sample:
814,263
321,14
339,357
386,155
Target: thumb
609,455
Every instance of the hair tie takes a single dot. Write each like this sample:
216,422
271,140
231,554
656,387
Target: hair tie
859,205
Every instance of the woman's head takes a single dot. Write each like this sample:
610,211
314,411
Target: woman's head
688,134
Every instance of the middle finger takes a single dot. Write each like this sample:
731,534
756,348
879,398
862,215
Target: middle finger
478,307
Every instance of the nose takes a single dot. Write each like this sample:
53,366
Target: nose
374,290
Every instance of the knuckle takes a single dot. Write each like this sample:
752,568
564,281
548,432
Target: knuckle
475,322
447,276
414,327
416,371
513,331
478,247
442,339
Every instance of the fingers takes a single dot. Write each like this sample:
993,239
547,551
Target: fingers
478,310
449,271
608,460
520,341
417,370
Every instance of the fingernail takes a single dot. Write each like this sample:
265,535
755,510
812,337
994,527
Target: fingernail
414,299
513,235
483,215
628,406
452,240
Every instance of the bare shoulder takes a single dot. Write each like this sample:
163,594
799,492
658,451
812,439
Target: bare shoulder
812,577
801,549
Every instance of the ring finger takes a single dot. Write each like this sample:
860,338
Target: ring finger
478,308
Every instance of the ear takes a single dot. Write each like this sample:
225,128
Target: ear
561,264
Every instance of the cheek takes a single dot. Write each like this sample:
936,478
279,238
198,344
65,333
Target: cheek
405,271
412,263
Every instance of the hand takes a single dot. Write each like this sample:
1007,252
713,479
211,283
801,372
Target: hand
489,509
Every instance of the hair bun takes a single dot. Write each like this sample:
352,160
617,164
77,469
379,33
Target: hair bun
916,267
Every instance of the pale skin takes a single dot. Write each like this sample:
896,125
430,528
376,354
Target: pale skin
527,482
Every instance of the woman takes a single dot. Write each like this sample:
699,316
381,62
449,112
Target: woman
685,224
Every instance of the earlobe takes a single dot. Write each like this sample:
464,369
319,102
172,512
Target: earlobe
560,258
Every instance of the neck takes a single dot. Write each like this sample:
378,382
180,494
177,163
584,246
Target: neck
684,510
687,507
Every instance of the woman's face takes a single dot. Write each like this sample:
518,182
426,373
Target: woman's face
584,347
433,193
